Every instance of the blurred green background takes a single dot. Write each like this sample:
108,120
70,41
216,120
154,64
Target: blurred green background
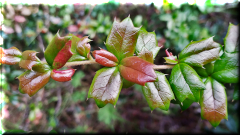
62,107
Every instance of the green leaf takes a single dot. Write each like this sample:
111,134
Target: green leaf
31,82
54,47
15,131
199,53
122,38
106,86
147,40
108,115
185,104
29,59
185,82
80,48
159,93
206,70
231,39
226,69
236,92
53,132
213,102
76,81
127,84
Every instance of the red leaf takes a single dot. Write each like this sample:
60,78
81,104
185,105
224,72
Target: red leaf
105,58
63,56
31,81
10,56
137,70
63,75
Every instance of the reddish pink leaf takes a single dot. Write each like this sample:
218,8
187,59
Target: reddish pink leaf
10,56
63,75
19,19
105,58
137,70
63,56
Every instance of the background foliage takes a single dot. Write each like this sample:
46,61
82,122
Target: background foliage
63,106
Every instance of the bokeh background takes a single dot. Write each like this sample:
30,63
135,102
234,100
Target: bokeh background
62,107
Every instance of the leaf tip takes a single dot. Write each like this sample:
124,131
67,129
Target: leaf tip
87,99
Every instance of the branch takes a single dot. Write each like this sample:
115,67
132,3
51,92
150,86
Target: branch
88,62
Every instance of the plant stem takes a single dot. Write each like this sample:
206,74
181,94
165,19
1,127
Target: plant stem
76,63
163,66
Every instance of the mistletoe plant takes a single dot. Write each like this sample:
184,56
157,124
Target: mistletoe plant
198,73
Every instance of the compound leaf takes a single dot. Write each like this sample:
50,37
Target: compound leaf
231,39
159,93
213,102
122,38
29,59
185,82
10,56
32,81
199,53
226,69
106,86
147,40
137,70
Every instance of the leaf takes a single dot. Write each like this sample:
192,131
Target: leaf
31,81
108,115
63,56
53,132
137,70
185,82
29,59
236,92
105,58
80,48
127,84
231,39
146,55
147,40
122,38
226,69
213,102
206,70
199,53
10,56
76,81
62,75
55,47
42,68
185,104
106,86
15,131
159,93
170,59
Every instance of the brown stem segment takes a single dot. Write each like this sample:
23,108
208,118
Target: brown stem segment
87,62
